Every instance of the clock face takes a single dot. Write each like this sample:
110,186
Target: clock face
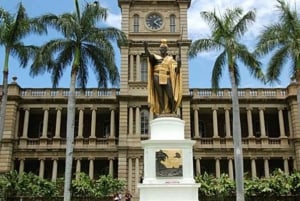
154,21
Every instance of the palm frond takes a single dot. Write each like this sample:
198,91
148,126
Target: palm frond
203,45
215,23
250,61
241,27
104,66
56,73
21,24
282,38
4,14
293,67
270,38
23,52
287,16
45,58
276,64
217,70
92,14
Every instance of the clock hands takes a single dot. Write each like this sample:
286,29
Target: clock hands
157,22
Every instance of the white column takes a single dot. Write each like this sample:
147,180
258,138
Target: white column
17,125
111,167
130,121
230,168
45,123
91,168
78,167
266,167
227,122
198,166
54,170
22,164
131,59
58,123
93,123
80,122
150,119
215,122
129,174
218,174
249,121
253,168
196,122
138,68
25,123
137,121
112,123
137,173
262,122
281,122
42,168
286,165
290,124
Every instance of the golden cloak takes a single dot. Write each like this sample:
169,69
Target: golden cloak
176,82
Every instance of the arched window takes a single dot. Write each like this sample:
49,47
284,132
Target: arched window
172,23
136,23
144,121
144,71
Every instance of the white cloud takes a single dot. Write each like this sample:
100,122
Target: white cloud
114,20
266,12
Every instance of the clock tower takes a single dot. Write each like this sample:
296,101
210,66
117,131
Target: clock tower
150,21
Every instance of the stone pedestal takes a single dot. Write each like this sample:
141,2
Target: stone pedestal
168,163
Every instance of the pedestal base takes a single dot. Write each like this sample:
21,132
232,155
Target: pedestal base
168,163
168,192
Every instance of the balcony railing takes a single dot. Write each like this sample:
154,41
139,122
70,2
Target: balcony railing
220,142
253,93
47,93
203,142
59,142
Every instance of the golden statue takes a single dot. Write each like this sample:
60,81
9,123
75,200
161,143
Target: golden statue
164,81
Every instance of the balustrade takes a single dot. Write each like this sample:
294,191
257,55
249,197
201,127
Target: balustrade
267,93
249,142
47,93
36,142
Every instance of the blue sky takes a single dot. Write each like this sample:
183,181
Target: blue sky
199,67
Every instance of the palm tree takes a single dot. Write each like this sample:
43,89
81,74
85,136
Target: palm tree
226,32
83,44
282,39
13,28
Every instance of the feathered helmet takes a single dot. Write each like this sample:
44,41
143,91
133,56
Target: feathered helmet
163,43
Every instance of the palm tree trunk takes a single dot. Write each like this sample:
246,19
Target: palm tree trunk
70,137
237,141
4,94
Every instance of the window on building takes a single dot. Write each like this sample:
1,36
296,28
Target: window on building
144,121
172,23
136,23
144,71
